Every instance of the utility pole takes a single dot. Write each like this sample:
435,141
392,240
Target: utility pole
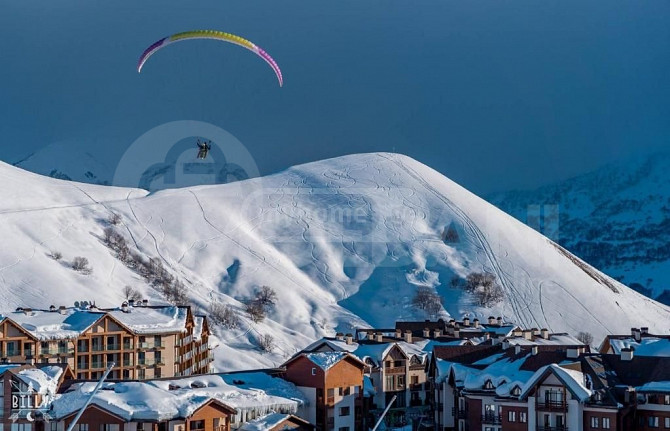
90,398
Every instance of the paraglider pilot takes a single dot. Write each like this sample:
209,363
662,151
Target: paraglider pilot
203,148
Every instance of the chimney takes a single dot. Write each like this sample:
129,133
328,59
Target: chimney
500,321
131,302
644,330
371,336
52,308
145,302
28,311
545,333
398,333
349,338
452,322
573,352
487,335
339,336
408,336
466,321
635,333
536,332
626,354
492,320
476,323
437,333
517,349
505,344
528,334
534,350
124,307
426,333
62,309
380,337
518,332
629,395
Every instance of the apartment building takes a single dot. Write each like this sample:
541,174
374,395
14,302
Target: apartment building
142,341
332,381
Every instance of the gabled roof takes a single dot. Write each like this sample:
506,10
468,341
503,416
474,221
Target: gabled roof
573,380
327,360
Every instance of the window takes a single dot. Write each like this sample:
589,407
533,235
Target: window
44,347
157,373
666,400
53,426
606,423
343,429
488,385
141,375
390,382
314,371
511,416
22,427
667,422
344,411
415,380
653,422
594,422
11,348
401,380
82,427
523,417
198,425
109,427
516,391
346,391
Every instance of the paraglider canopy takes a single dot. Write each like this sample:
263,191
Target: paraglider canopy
210,34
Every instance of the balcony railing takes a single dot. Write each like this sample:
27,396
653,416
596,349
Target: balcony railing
127,362
394,370
97,364
97,348
113,346
492,419
147,345
551,405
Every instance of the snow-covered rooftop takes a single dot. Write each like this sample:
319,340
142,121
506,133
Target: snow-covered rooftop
553,340
647,346
48,325
167,399
326,360
574,380
42,380
655,387
71,322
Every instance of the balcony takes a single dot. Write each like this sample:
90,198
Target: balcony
148,346
394,370
551,405
492,419
558,428
113,347
145,362
97,364
127,362
97,348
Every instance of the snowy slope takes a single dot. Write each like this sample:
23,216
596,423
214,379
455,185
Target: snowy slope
617,218
344,242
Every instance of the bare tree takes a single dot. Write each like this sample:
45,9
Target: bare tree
427,300
484,288
585,337
114,219
56,255
266,296
80,264
266,342
224,315
130,293
256,311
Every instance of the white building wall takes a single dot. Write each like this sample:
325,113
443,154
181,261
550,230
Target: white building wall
448,403
575,419
308,411
532,414
345,401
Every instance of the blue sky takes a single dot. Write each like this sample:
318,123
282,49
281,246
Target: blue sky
494,94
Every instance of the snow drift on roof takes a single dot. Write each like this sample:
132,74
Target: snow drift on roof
648,346
326,360
265,423
47,325
42,380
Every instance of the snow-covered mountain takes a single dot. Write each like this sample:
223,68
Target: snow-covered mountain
345,242
617,218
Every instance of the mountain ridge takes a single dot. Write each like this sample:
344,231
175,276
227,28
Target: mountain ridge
345,242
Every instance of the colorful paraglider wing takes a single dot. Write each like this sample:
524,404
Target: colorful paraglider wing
210,34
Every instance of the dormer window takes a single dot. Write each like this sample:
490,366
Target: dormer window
488,384
516,391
